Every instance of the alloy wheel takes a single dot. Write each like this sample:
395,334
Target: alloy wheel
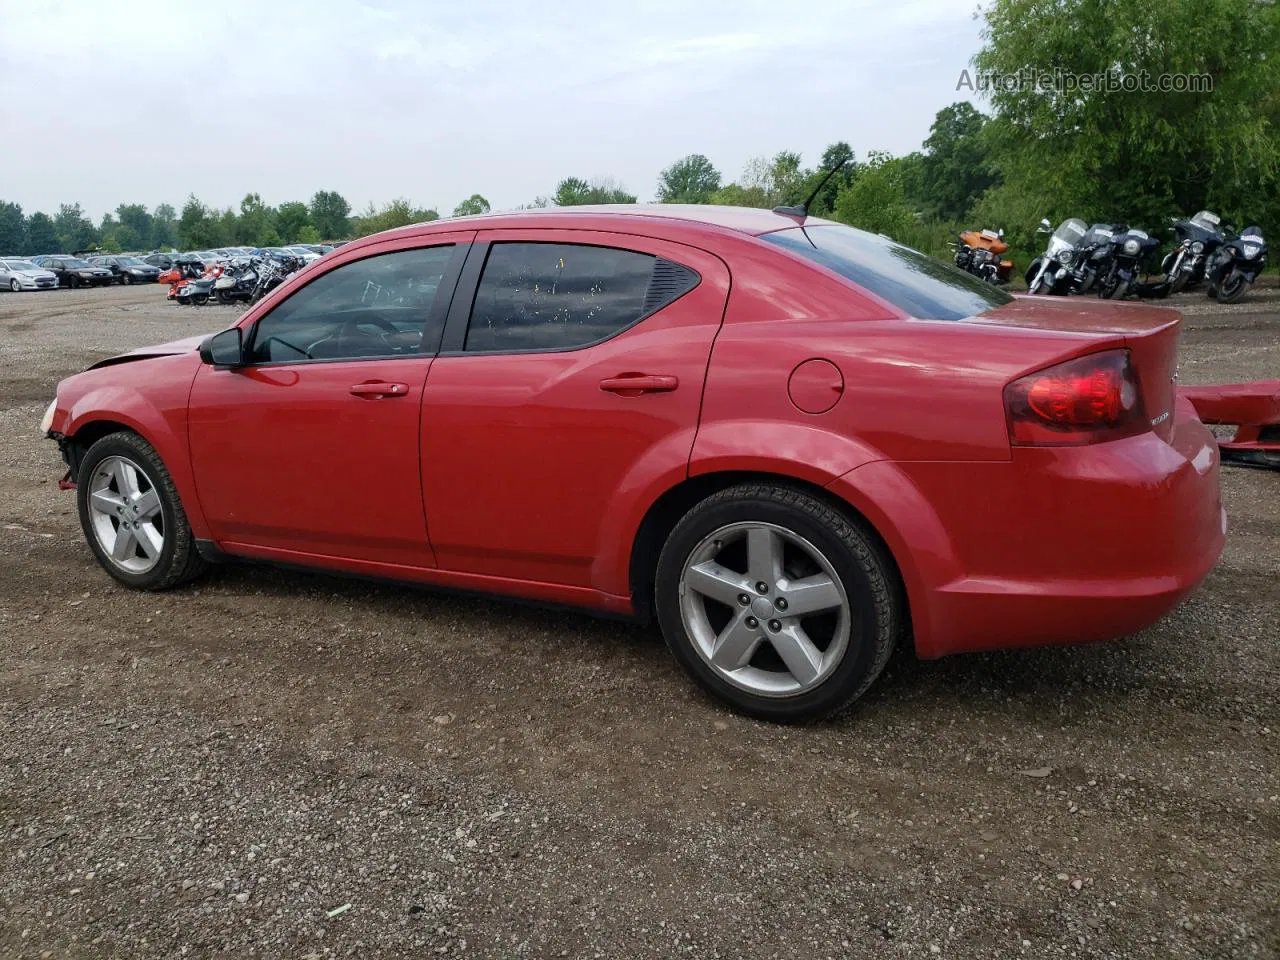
765,609
127,519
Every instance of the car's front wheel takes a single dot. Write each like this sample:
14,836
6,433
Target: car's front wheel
776,602
132,517
15,286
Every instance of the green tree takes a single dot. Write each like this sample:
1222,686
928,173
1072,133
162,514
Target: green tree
471,206
75,231
197,227
574,191
308,234
255,222
164,227
692,179
109,235
291,217
13,228
877,198
956,168
329,215
41,235
1136,155
137,227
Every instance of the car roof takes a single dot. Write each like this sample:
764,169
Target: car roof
750,220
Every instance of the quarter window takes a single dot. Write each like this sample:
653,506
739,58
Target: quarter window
559,296
376,307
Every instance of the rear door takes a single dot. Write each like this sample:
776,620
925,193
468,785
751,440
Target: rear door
572,368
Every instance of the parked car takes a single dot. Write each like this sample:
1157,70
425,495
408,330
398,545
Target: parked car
161,261
74,272
306,254
17,274
128,269
792,442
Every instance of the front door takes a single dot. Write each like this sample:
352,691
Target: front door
311,449
578,363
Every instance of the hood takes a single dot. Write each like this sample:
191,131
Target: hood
35,273
187,345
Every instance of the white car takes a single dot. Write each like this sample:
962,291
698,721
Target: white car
305,254
18,275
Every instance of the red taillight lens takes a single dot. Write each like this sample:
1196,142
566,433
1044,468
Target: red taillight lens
1086,400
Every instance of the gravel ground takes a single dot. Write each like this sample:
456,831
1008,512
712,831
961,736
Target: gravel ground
287,765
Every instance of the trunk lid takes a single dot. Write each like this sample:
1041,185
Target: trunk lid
1150,333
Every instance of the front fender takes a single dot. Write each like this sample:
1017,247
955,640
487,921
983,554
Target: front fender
161,421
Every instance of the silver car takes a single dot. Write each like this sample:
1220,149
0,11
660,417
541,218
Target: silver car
18,275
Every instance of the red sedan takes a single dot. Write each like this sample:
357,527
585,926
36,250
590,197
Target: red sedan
791,442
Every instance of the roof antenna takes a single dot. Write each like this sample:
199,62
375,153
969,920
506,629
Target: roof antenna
802,210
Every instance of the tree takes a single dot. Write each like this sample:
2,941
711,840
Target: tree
956,167
197,227
574,191
291,218
1121,150
308,234
75,231
691,179
329,215
164,227
255,222
136,227
13,228
877,198
41,235
766,182
471,206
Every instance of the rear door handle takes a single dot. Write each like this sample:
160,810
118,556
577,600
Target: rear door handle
635,384
380,389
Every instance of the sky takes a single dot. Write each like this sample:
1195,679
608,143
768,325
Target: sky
147,102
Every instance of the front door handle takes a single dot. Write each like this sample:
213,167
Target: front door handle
634,384
379,389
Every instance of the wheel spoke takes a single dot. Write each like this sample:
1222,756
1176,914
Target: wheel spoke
104,501
797,651
735,644
764,555
149,539
717,582
123,548
812,595
126,479
147,504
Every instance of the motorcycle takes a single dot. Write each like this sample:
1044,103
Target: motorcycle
1129,249
978,252
1053,272
238,281
1198,239
1235,265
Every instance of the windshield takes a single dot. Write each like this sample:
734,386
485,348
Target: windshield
914,282
1206,219
130,262
20,265
73,262
1071,231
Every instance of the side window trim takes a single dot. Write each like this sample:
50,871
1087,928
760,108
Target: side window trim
459,319
434,319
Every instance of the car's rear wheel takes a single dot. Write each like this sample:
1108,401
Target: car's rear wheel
73,282
777,602
132,517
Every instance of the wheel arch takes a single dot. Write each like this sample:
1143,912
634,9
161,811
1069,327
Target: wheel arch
665,512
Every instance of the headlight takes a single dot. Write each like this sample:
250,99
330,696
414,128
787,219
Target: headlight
1251,250
47,420
1064,257
1131,247
1197,247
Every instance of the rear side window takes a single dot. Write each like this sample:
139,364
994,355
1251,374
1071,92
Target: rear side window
559,296
914,282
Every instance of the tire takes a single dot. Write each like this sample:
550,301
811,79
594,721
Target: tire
840,651
1231,291
1179,281
100,483
125,279
226,297
200,299
1116,291
1030,275
15,286
73,282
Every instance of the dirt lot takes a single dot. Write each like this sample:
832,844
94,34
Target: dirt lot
210,771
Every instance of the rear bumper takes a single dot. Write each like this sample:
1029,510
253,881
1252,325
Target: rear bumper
1059,545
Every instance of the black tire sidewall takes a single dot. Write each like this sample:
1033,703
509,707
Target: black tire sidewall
116,446
861,656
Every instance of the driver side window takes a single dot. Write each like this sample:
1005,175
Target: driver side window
375,307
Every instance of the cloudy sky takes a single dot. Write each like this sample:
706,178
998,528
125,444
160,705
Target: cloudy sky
107,103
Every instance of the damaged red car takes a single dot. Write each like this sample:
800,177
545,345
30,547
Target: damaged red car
792,443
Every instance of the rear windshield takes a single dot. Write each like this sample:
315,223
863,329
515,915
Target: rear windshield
915,283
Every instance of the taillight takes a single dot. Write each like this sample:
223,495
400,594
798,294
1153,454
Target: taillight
1085,400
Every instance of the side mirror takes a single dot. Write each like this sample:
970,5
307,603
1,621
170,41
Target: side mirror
224,349
1000,233
1045,225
